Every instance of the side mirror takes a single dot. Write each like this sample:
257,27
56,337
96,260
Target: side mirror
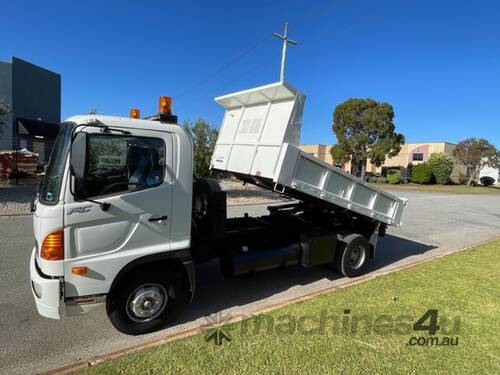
78,156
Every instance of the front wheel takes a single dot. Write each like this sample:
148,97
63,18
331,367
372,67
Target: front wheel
352,255
141,303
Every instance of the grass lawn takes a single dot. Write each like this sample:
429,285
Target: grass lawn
458,189
463,287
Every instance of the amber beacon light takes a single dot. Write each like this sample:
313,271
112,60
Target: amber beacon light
135,113
165,104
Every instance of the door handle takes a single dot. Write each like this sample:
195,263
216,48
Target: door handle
158,218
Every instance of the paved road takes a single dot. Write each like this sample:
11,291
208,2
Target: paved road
434,223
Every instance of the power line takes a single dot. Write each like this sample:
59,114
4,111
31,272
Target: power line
319,11
225,66
218,88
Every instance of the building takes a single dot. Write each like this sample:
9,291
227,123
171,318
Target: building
322,152
417,153
34,97
411,153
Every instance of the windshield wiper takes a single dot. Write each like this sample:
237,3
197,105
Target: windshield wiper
107,129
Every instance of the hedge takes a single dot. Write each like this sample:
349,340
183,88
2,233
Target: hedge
441,165
393,176
421,173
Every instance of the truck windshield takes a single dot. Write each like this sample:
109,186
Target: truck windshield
50,186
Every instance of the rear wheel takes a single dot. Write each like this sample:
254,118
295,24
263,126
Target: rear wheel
141,303
352,255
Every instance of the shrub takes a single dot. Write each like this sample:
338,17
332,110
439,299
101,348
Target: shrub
487,180
203,136
393,176
441,165
421,173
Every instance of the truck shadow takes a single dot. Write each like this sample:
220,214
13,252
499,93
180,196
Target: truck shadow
392,249
215,292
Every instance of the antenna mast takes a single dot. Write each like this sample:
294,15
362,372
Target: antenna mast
285,40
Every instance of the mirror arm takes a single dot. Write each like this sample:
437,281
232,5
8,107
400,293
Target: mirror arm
103,205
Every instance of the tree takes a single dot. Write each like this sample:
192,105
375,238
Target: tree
441,166
476,153
365,131
204,136
4,111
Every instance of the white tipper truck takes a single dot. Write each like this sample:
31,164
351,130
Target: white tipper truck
120,220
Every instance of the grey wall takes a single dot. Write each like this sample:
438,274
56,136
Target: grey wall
5,93
36,92
32,92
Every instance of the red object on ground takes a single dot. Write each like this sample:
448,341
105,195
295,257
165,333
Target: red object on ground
22,162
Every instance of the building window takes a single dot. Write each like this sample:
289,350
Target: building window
418,156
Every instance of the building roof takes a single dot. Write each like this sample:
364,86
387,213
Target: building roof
37,129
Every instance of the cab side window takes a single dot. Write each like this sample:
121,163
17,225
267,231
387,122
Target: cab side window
119,164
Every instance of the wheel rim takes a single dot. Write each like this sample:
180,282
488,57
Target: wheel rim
147,302
357,257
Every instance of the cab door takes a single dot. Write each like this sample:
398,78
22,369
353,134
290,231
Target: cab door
126,213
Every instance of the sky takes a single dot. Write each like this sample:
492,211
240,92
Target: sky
436,62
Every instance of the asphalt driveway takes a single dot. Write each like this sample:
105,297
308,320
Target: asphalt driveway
434,223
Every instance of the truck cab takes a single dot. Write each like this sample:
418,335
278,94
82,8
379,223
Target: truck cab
105,207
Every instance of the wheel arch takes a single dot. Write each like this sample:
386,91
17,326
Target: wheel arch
178,262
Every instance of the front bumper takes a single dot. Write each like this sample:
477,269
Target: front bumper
46,291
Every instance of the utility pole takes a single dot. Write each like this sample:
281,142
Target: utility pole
285,40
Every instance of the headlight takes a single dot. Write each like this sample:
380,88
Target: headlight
53,246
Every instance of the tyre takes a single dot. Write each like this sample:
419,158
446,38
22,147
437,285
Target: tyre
141,302
352,255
